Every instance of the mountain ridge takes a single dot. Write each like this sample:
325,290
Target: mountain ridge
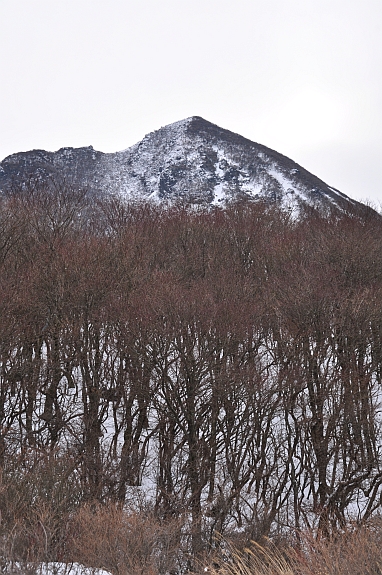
192,160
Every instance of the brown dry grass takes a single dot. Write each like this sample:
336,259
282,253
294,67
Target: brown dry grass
356,551
125,542
253,560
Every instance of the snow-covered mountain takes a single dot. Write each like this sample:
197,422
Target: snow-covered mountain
192,160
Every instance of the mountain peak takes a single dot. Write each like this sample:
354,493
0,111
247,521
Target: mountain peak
192,160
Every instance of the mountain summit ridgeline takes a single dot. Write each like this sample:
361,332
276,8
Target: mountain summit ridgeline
193,161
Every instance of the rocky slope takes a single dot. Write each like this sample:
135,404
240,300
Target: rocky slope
192,161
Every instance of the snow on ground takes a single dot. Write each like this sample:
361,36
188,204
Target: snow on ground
53,569
219,195
286,184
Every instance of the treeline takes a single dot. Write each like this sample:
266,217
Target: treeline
221,366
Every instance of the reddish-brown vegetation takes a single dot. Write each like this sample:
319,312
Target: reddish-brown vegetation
224,368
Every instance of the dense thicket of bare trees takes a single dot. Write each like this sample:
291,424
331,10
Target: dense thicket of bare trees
226,366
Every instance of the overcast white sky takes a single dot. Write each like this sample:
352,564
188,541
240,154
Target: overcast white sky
303,77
